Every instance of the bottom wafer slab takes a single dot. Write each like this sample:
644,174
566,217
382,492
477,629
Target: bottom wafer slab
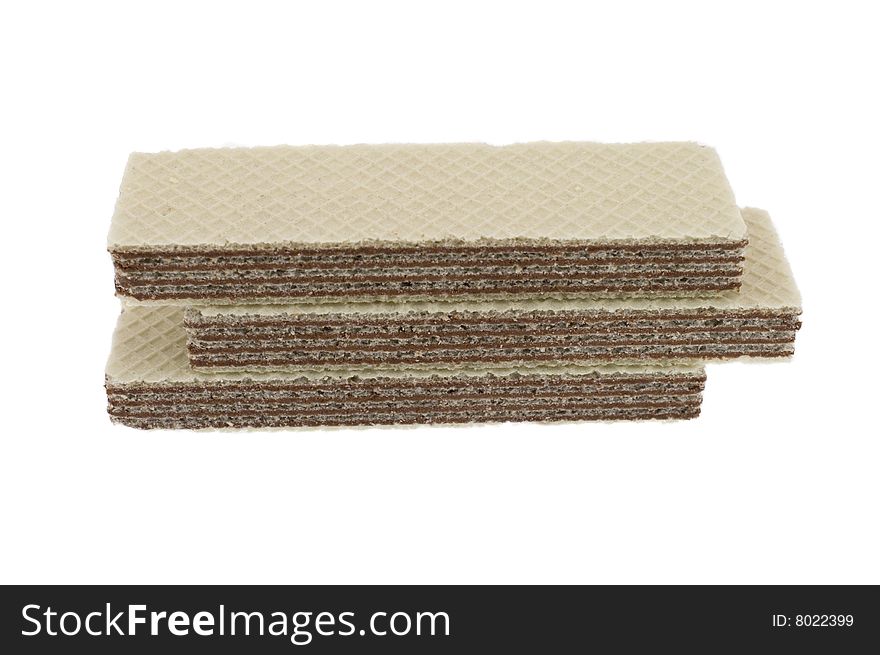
150,385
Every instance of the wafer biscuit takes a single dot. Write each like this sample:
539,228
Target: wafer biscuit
150,385
759,321
425,222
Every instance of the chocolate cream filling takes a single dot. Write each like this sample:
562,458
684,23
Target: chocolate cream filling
238,341
243,362
458,274
530,288
484,341
428,250
369,419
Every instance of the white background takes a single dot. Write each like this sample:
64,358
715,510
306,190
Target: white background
776,482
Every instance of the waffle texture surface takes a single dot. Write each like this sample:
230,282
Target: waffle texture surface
410,194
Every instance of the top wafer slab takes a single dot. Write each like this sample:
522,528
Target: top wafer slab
414,193
284,223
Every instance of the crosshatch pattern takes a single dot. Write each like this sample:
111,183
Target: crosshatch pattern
404,194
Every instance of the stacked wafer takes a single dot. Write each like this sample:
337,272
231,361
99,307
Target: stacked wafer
372,285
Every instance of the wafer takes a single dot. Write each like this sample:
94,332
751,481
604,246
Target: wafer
759,321
425,222
150,385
